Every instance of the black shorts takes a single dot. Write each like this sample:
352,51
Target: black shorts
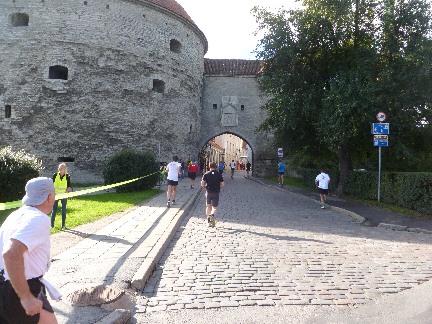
323,191
221,171
212,198
281,173
192,175
11,309
172,182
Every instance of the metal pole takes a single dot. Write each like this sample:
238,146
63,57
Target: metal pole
379,172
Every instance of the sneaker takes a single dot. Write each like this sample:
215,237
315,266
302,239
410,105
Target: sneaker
173,202
212,221
63,228
322,207
168,204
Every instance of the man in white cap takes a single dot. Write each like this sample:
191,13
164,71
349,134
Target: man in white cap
25,257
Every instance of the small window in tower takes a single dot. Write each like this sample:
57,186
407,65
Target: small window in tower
175,46
158,86
85,3
58,72
242,107
8,111
19,19
214,106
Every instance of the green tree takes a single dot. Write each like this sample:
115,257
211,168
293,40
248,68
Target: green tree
330,66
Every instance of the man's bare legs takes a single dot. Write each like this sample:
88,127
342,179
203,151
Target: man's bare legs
281,179
171,193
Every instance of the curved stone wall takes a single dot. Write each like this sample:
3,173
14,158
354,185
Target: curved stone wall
83,79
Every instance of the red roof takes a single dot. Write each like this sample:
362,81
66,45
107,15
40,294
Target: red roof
232,67
174,7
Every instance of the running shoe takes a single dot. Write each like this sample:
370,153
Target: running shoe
212,221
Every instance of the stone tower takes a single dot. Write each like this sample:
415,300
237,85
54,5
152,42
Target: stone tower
84,79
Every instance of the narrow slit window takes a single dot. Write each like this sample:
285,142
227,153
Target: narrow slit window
58,72
19,19
175,46
8,111
158,86
214,106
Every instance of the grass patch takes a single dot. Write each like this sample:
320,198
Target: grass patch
289,181
87,209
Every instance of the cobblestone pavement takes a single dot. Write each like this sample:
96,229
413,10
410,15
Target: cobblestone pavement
272,247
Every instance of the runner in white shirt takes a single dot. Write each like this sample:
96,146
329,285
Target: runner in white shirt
232,166
322,181
173,170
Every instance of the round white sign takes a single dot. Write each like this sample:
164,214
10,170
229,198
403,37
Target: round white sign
381,116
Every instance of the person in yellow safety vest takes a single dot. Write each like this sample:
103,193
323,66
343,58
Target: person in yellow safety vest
62,184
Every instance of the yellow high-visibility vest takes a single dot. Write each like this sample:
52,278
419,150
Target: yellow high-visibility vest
60,185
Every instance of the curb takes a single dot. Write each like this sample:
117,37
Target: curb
146,269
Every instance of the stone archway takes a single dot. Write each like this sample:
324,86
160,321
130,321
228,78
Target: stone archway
214,149
232,103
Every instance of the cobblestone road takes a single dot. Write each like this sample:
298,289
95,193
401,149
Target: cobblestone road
273,247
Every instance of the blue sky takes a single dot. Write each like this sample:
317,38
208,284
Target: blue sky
229,25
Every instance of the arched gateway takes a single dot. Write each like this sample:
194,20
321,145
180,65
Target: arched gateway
232,103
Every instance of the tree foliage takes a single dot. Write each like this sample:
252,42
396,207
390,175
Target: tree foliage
330,66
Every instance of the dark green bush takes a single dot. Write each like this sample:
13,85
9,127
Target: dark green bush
129,164
16,168
412,190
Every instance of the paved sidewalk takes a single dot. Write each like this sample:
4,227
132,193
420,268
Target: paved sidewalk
120,255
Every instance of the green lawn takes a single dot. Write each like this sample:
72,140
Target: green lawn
290,181
87,209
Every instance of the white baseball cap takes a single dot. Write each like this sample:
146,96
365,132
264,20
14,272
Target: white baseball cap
37,191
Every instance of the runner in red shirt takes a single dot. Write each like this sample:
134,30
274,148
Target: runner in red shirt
193,170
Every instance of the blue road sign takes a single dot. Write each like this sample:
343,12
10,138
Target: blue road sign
380,140
280,152
380,128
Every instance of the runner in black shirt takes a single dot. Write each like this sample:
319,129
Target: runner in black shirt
212,181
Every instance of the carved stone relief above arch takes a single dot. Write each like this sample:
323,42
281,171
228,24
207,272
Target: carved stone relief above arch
229,116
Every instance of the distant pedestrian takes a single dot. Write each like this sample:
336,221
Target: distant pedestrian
212,181
182,172
248,167
201,168
62,184
192,172
232,167
322,181
281,173
173,171
221,167
25,257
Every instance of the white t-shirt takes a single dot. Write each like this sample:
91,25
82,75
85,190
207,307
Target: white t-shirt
173,170
32,228
323,180
232,165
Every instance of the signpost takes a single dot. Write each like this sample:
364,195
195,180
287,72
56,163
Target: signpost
280,152
380,132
